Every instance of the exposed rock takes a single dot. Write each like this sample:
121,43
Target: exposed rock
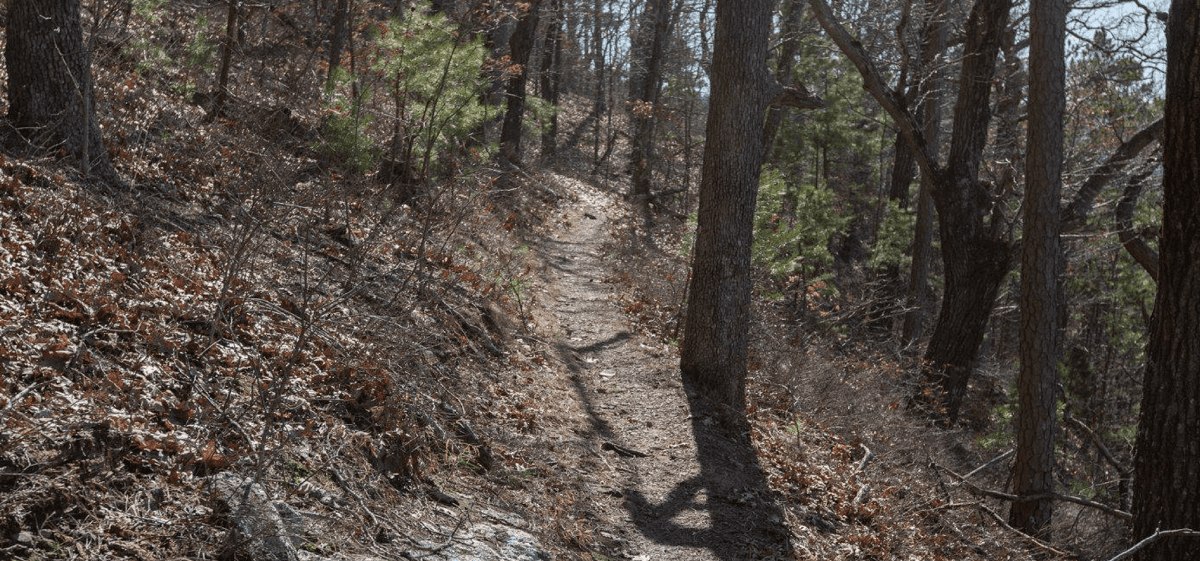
255,520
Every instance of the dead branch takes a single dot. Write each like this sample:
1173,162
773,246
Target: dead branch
1027,537
874,83
1135,242
1157,535
1078,425
990,463
977,490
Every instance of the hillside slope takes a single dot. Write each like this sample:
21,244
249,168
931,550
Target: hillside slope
252,353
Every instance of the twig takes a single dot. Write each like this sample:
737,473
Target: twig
1121,469
990,463
622,451
1028,537
1158,534
866,458
976,490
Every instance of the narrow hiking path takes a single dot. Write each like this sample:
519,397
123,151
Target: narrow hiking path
664,477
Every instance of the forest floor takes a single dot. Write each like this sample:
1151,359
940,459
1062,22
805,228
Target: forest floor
249,349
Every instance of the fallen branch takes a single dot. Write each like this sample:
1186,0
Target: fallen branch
1028,537
990,463
1120,467
623,451
1157,535
976,490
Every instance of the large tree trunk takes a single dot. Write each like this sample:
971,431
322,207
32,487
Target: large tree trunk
1167,465
975,264
1041,270
648,50
975,252
520,45
51,101
713,350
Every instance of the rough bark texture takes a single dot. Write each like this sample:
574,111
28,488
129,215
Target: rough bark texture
1041,268
933,47
520,45
1167,465
50,83
975,253
713,351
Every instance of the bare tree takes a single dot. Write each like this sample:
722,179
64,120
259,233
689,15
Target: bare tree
520,45
976,253
646,63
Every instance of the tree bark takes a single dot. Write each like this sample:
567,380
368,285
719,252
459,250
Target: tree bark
551,78
1041,270
785,65
1167,463
648,50
337,38
51,99
520,45
975,252
222,93
713,350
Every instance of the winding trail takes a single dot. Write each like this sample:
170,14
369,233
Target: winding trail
668,481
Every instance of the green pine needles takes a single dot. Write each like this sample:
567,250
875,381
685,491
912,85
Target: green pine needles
793,224
426,79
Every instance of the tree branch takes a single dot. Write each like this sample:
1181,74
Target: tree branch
1134,242
1182,532
874,83
976,490
1075,213
1120,467
1028,537
797,96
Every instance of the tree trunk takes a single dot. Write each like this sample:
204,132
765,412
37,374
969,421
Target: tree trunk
551,78
222,93
1167,465
599,66
648,50
337,36
519,47
1041,270
975,253
713,351
975,265
51,101
785,65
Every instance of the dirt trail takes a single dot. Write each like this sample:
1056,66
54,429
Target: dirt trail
668,482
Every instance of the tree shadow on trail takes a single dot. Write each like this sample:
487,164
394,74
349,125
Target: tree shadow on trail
727,508
570,357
